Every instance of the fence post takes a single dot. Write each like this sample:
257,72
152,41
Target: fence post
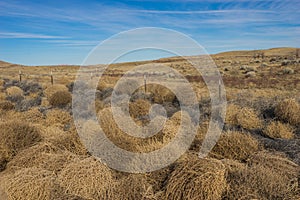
20,75
51,75
145,83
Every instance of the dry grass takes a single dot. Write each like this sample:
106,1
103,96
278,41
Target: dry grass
15,136
288,110
14,91
267,176
68,140
277,129
44,155
139,108
6,105
245,117
31,183
235,145
60,98
87,178
58,117
33,115
196,178
52,89
132,187
161,93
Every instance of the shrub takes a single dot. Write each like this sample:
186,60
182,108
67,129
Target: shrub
244,117
266,176
277,129
87,178
196,178
247,118
139,108
31,183
235,145
44,155
6,105
160,93
14,91
60,99
58,117
15,136
50,90
139,188
288,110
68,141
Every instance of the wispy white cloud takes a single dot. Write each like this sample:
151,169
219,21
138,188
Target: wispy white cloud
27,35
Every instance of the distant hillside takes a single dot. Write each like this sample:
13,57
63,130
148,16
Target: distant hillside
282,51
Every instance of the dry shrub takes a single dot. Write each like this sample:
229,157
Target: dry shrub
139,108
248,119
60,98
196,178
235,145
6,105
44,155
288,110
132,187
267,176
14,91
231,112
160,93
33,115
244,117
134,144
52,89
87,178
277,129
15,136
64,140
58,117
31,183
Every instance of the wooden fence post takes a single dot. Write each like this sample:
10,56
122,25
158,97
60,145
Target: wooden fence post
145,83
51,75
20,75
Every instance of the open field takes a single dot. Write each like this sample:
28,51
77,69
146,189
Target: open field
256,157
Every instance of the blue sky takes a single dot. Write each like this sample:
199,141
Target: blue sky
36,32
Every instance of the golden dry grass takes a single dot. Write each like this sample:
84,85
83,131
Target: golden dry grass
52,89
65,140
235,145
161,93
267,176
44,156
31,183
139,108
246,118
87,178
196,178
132,187
288,110
58,117
6,105
277,129
14,91
15,136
